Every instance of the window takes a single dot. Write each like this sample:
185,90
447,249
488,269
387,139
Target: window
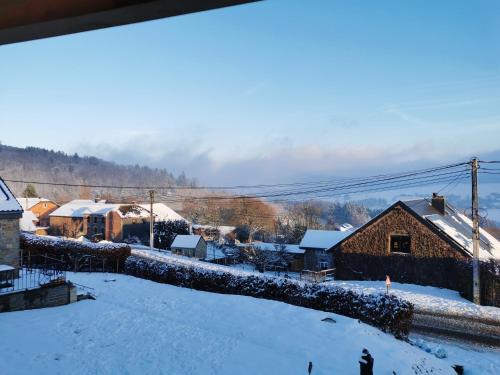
95,219
323,265
400,243
45,205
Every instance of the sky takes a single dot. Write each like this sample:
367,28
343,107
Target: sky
274,91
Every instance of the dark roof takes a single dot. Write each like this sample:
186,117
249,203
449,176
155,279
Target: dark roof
9,206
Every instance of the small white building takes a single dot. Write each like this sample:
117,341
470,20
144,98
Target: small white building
189,245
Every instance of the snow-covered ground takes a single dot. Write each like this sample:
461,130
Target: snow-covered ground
140,327
426,298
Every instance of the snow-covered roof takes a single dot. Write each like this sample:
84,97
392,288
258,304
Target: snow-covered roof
186,241
223,229
27,222
269,246
80,207
162,212
322,239
8,203
457,226
27,203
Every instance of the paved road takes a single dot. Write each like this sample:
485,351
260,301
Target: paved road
484,331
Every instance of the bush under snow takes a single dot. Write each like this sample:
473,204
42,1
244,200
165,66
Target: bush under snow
70,251
389,313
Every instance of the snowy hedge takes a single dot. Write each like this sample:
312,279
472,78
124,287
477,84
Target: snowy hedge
389,313
77,255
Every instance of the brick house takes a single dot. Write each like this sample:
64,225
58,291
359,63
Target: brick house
40,207
316,244
419,228
10,213
189,245
107,221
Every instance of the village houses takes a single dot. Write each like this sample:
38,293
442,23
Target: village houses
107,221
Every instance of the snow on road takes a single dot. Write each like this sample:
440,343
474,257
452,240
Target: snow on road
140,327
426,298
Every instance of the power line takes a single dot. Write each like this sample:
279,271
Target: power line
170,187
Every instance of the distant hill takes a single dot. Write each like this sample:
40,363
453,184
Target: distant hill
38,164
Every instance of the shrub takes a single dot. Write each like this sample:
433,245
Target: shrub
387,312
75,254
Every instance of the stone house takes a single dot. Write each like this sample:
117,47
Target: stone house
419,228
316,244
10,213
189,245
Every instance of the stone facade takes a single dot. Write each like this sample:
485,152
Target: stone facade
9,241
374,238
47,296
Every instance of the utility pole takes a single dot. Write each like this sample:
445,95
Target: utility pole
151,218
476,290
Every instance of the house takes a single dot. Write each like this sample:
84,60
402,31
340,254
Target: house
40,207
10,213
107,221
212,233
189,245
316,244
162,212
420,228
72,218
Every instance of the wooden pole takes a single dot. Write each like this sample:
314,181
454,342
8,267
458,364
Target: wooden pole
151,219
476,289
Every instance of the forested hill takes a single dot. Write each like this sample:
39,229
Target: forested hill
38,164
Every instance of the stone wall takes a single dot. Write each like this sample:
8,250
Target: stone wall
374,239
9,241
47,296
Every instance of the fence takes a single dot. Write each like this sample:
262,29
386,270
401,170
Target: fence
317,276
40,272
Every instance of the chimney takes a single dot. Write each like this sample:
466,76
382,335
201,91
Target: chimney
438,202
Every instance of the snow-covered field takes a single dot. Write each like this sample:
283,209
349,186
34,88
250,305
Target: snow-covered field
425,298
140,327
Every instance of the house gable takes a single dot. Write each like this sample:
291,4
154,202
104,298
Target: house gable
425,239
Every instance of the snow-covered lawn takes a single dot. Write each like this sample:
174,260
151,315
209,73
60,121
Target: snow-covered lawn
140,327
426,298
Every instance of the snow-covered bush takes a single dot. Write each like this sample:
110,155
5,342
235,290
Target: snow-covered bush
389,313
107,256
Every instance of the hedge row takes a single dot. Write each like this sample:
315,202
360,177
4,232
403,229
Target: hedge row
440,272
76,254
386,312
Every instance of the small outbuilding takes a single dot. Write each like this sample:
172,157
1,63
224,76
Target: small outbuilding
316,244
189,245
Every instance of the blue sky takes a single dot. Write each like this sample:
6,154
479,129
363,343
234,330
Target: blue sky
271,91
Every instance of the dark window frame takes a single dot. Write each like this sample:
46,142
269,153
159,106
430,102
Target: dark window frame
400,244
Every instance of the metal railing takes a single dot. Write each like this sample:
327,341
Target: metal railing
317,276
41,271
